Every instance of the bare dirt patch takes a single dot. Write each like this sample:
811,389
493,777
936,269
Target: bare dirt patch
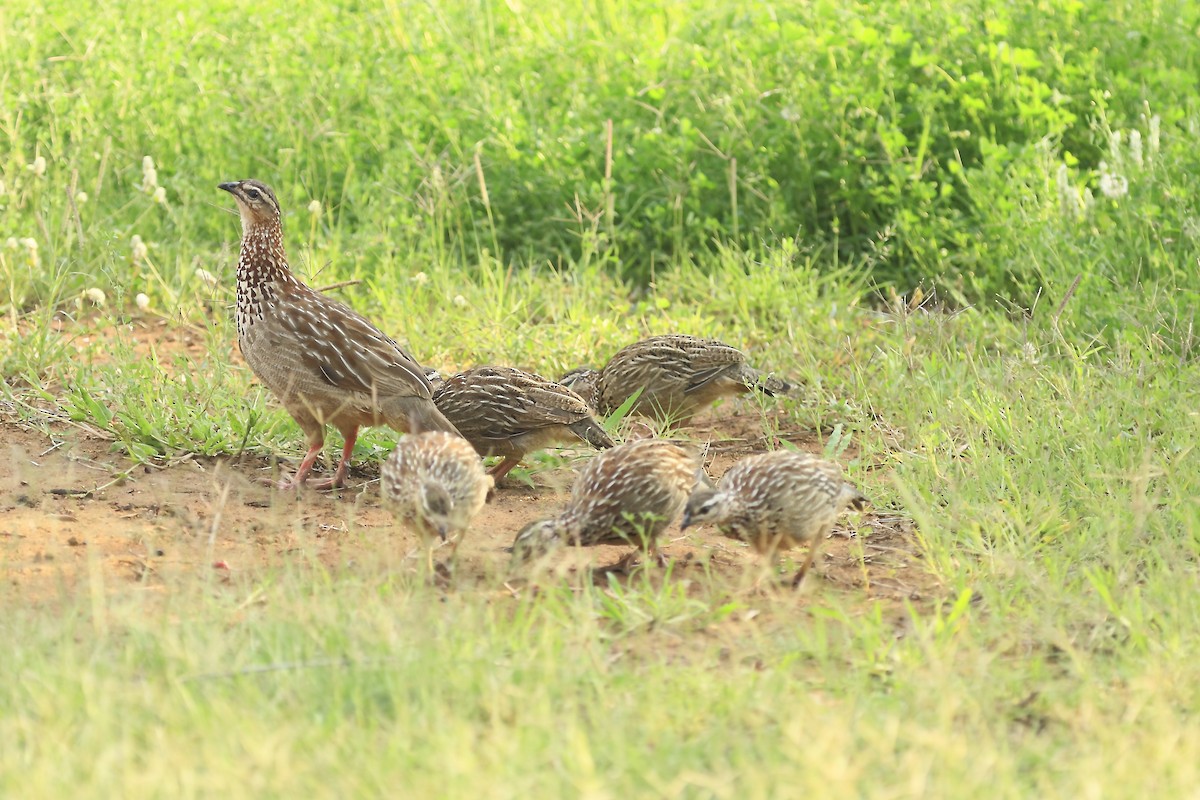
60,534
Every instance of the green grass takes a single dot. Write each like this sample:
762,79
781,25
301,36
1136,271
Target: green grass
1042,438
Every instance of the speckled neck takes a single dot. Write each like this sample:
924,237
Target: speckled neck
262,270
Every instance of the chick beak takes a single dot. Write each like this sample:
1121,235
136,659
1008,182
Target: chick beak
687,520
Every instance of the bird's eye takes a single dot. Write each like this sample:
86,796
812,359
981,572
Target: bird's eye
253,194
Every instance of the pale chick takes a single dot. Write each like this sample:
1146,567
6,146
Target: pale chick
435,482
627,495
775,501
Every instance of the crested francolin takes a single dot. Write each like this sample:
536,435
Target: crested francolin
677,375
628,494
507,412
327,364
775,501
436,482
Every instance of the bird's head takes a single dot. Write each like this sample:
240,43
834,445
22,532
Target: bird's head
256,202
437,508
536,539
582,381
705,504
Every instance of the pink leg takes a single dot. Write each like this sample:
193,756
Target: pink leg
339,478
503,468
306,466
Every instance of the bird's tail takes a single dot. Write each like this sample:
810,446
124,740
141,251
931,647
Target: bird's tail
590,431
421,415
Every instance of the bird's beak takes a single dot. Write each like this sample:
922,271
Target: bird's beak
229,187
687,520
443,530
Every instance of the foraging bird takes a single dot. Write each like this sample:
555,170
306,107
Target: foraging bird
628,494
775,501
678,376
507,412
327,364
436,482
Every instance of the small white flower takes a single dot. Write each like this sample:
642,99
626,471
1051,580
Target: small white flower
1135,146
143,301
790,114
160,196
314,208
149,175
139,248
81,197
206,277
37,166
460,301
420,278
94,296
30,244
1113,187
11,243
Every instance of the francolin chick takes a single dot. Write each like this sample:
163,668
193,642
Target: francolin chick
507,412
775,501
628,494
678,376
327,364
435,481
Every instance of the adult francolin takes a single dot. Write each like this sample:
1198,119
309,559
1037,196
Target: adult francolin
327,364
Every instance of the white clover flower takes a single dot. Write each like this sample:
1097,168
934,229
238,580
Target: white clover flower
1155,132
29,244
11,243
37,166
460,301
94,296
314,208
160,196
149,175
420,278
140,251
1135,146
1113,187
1030,352
143,301
206,277
81,197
